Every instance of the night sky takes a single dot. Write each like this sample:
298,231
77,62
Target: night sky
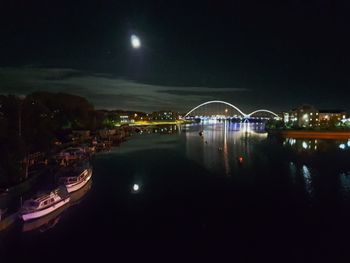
254,54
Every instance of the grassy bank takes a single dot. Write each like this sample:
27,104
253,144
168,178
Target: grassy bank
312,134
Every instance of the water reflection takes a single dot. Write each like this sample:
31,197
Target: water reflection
307,179
159,129
222,144
312,145
345,184
135,188
44,223
310,166
7,219
293,172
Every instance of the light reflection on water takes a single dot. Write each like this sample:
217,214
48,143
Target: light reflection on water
301,160
293,172
221,144
345,185
174,182
307,179
316,144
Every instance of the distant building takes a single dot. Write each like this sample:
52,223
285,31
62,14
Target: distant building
164,116
125,119
307,116
303,116
331,117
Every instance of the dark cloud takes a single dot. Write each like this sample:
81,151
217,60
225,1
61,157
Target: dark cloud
106,91
217,93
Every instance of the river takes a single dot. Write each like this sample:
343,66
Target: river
169,193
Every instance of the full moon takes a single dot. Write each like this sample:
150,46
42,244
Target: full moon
135,41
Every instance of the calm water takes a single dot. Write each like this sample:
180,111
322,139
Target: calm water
170,193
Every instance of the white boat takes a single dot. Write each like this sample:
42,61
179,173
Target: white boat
78,196
76,178
44,204
49,221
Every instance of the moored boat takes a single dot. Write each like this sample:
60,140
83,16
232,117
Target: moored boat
51,220
78,196
75,178
44,204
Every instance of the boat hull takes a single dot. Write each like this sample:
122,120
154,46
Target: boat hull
44,221
46,211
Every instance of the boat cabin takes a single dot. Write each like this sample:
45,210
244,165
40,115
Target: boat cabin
74,176
45,200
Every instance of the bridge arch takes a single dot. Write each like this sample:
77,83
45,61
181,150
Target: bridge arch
216,101
262,110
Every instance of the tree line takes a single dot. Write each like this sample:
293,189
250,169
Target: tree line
33,122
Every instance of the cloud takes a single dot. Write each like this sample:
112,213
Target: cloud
203,91
107,91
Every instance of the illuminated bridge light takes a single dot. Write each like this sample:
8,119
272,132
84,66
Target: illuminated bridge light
242,114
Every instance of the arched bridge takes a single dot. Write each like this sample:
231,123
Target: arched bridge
244,115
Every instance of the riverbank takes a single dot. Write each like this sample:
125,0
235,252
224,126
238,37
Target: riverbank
11,196
155,123
311,134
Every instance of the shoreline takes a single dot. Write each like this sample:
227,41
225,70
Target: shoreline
15,191
156,123
310,134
